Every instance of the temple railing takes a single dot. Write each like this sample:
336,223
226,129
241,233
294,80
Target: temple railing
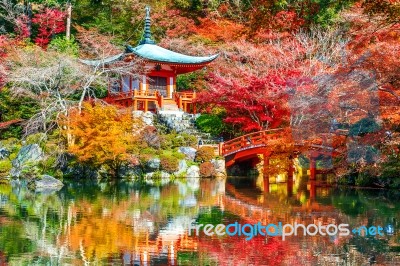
186,95
145,94
183,99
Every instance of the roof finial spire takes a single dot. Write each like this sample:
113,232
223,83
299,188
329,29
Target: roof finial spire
147,33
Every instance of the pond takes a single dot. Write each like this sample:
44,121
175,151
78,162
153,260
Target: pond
126,223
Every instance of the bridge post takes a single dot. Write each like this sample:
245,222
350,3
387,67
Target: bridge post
243,142
265,171
290,168
289,181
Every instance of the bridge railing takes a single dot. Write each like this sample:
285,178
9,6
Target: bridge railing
256,139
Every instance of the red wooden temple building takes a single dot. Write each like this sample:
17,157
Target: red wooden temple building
155,91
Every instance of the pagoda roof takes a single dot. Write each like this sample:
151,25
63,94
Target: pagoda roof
149,51
105,61
156,53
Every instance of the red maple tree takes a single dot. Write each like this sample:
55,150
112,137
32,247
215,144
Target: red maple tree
22,28
4,43
258,103
50,22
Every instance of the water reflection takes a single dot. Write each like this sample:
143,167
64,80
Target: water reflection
131,224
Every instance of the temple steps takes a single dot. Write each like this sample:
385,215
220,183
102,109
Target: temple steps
181,122
170,107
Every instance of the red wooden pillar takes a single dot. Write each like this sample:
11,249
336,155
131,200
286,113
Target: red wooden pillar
180,106
135,103
146,105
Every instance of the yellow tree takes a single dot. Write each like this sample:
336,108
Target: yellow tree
102,135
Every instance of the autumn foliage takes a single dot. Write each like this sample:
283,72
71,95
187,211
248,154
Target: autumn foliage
49,22
102,135
4,42
257,104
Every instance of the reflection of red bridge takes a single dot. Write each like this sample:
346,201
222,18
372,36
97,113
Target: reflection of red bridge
267,142
274,211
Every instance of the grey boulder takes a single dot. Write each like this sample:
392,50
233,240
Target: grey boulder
189,152
193,171
154,163
47,181
27,156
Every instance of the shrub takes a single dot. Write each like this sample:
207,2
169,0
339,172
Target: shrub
173,140
5,167
204,154
187,140
178,155
365,179
15,108
31,171
48,164
347,180
169,163
207,169
146,154
150,135
364,126
390,172
38,138
210,124
65,46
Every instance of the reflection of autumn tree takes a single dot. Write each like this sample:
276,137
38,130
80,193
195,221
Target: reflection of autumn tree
100,237
131,224
257,251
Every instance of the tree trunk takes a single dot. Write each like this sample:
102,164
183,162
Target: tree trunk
68,29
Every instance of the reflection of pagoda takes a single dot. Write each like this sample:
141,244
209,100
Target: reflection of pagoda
157,89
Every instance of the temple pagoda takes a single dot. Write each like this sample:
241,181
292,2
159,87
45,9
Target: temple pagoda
155,91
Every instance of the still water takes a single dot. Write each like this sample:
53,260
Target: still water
126,223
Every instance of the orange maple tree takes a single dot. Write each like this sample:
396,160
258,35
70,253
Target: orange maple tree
102,135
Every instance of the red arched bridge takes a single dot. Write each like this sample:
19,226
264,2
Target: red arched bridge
261,142
280,140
